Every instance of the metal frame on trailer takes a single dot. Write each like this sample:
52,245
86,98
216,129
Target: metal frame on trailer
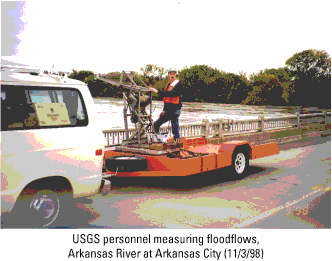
144,123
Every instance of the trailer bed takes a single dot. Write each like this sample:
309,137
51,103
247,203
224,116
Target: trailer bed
192,157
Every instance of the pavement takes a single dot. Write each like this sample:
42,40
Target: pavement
312,212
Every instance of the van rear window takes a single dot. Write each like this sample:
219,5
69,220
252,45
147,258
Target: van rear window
32,108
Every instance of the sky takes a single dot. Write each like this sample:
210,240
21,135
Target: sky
105,36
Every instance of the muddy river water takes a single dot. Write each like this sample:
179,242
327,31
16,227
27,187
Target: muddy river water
110,112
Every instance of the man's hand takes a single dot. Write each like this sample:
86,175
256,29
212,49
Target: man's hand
153,90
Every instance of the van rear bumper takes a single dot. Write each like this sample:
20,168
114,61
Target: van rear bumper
105,187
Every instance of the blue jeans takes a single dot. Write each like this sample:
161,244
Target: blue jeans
172,116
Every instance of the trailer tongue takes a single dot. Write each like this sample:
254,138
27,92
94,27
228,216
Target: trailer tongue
143,154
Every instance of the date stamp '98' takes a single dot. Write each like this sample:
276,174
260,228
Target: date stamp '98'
298,211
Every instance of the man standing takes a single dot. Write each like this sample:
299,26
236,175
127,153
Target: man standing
172,104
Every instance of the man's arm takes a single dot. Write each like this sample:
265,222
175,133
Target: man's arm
154,90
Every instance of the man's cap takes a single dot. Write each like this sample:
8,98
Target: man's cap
172,70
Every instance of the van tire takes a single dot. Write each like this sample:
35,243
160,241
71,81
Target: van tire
38,209
126,163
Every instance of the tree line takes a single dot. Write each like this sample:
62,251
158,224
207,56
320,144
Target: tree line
305,80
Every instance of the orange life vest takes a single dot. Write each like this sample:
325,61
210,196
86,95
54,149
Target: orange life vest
173,100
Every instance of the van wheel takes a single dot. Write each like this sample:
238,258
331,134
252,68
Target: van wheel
126,163
38,209
240,162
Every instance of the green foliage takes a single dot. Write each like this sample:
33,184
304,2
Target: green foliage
201,83
311,62
82,75
304,81
310,72
151,70
270,87
98,88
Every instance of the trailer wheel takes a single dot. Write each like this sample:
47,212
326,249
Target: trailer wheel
240,162
126,163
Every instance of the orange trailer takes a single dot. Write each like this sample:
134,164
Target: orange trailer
190,156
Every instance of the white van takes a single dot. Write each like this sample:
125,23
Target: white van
51,148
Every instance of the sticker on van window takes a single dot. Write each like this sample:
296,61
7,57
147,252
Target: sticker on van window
50,114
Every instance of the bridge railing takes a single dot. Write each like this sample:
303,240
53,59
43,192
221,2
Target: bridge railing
228,126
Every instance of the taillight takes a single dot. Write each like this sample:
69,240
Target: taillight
99,152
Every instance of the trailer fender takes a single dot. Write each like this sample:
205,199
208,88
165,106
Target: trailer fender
264,150
226,151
